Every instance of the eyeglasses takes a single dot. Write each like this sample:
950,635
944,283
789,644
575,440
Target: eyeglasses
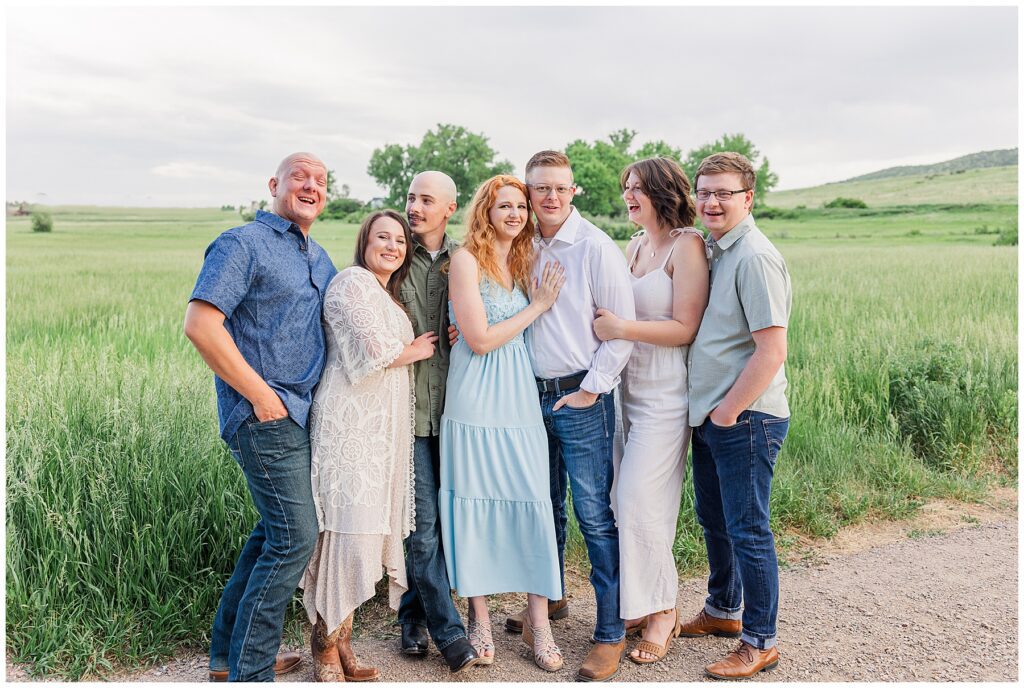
545,189
704,194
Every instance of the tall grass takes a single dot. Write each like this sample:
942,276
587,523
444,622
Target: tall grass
125,513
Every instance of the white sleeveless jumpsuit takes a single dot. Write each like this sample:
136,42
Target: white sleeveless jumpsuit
649,468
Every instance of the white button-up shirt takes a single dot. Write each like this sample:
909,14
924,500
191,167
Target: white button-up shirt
562,340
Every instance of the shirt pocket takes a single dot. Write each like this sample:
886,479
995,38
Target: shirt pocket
408,298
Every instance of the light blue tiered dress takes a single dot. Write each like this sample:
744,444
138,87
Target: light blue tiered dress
495,505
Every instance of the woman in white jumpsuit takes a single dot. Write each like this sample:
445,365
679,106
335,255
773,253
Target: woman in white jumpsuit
669,271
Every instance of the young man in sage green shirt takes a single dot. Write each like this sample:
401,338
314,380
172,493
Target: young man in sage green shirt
740,417
427,606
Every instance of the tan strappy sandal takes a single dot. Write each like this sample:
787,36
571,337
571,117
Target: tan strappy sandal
546,654
659,651
481,639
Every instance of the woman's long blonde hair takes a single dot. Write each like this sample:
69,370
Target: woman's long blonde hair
480,233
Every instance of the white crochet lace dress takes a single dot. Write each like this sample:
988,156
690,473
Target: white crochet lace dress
361,436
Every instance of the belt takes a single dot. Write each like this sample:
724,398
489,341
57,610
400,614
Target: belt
561,384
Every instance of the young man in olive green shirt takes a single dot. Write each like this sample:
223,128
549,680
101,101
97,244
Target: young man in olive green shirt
427,606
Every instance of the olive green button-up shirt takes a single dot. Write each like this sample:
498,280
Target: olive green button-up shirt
424,294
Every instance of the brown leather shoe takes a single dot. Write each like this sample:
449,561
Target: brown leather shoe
603,662
286,663
350,665
557,609
743,662
704,624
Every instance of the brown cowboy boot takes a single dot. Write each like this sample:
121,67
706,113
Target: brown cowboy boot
603,661
350,665
324,648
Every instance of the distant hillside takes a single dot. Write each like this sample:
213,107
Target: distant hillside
995,185
975,161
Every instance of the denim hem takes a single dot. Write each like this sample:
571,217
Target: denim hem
442,645
760,642
722,613
609,642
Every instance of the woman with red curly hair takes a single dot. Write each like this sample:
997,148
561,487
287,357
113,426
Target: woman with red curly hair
496,520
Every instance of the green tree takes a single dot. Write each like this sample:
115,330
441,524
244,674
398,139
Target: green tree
333,191
597,166
42,221
332,186
465,156
766,179
653,149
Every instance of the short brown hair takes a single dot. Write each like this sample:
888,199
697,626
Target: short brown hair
363,240
666,184
548,158
718,163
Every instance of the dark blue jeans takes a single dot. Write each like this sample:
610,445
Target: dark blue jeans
580,455
274,457
428,602
732,482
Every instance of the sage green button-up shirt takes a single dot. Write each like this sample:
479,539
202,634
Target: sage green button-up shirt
424,294
750,291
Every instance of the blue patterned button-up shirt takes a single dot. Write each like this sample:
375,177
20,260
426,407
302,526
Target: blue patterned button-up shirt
269,282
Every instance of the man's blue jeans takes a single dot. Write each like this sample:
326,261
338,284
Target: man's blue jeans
580,455
428,602
275,458
732,483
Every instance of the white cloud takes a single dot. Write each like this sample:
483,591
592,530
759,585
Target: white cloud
197,105
197,171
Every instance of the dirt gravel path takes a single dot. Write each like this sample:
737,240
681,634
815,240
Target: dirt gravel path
912,602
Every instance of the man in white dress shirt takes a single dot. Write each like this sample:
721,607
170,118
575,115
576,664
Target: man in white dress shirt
576,377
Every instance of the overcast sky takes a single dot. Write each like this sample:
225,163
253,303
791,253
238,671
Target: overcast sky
195,106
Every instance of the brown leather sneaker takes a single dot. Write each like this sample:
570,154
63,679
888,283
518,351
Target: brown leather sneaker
286,662
704,624
557,609
743,662
603,662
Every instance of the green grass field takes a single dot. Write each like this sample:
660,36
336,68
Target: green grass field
994,185
125,513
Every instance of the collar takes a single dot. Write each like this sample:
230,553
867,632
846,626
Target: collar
275,222
567,232
447,244
736,233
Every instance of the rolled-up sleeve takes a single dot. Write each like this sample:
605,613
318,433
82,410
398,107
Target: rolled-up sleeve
610,285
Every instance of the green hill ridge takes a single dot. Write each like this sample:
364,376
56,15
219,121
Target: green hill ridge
993,158
988,177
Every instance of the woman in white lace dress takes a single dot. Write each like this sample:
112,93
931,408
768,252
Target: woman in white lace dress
361,436
669,273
